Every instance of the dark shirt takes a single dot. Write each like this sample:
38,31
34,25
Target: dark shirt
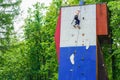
76,17
77,21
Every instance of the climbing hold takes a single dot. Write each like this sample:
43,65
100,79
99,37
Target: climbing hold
74,52
82,74
82,58
83,34
82,44
72,59
78,66
87,44
83,18
75,41
72,35
71,70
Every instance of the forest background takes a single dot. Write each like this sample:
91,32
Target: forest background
34,57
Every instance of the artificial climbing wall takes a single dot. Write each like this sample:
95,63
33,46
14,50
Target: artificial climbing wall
78,46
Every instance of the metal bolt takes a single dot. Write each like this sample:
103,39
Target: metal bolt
82,74
82,44
78,66
72,35
75,41
82,59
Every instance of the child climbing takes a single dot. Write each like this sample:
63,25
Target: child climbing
77,20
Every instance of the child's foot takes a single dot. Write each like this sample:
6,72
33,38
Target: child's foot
74,26
78,27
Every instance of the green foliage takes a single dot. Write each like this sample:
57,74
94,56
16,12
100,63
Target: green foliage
9,61
114,10
73,2
14,63
8,11
33,36
106,49
39,32
49,29
1,1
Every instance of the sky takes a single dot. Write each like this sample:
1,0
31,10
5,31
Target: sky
19,21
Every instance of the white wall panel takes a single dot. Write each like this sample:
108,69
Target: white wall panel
71,36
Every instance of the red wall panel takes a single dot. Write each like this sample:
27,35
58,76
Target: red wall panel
101,19
57,35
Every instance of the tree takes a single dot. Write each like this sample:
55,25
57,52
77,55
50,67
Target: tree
114,9
9,9
14,63
33,36
39,34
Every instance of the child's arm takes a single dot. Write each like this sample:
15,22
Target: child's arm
72,21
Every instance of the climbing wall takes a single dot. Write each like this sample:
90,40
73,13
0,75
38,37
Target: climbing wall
77,59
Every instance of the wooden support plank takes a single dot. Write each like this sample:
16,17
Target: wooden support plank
101,19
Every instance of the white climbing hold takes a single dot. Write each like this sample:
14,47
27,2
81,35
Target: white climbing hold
87,44
72,58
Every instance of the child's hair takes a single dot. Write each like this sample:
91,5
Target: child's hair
77,11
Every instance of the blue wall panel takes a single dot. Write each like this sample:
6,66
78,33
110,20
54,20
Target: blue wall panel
84,67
